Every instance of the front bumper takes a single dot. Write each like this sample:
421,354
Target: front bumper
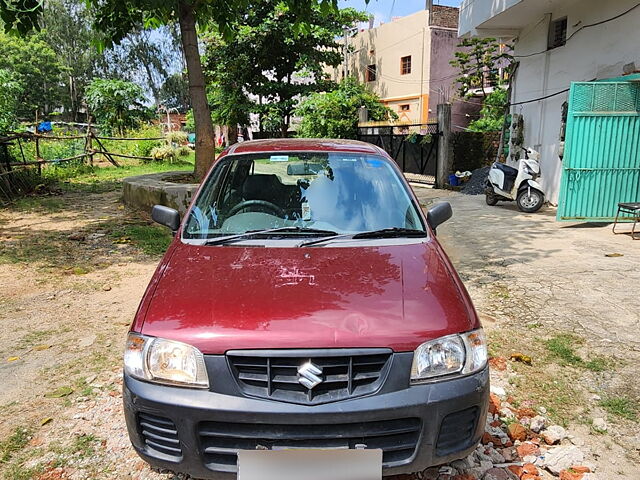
416,427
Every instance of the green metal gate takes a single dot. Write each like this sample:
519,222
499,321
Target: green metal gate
601,165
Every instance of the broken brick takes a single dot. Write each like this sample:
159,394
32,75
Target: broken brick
517,432
526,449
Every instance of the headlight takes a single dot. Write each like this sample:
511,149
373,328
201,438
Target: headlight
164,361
453,354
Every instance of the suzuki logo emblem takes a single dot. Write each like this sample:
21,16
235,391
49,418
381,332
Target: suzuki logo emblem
309,375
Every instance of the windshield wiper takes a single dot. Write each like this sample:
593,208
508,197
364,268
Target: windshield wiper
252,233
394,232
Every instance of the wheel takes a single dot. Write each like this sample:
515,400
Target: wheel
530,200
491,199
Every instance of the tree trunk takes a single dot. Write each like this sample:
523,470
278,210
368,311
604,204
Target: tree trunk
232,134
205,138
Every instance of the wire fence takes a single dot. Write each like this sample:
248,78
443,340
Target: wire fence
21,170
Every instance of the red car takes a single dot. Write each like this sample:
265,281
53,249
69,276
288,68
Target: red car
304,303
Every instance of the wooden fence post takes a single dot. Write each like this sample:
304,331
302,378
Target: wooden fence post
88,145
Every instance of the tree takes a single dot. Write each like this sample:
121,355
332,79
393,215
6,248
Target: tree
273,60
10,91
174,93
479,62
36,69
67,30
335,114
116,104
146,57
117,18
492,112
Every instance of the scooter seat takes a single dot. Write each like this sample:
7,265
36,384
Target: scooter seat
509,172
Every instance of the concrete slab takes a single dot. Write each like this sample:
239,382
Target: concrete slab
145,191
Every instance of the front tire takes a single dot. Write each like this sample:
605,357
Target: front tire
530,200
491,199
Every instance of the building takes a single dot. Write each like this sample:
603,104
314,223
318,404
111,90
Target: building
406,62
557,44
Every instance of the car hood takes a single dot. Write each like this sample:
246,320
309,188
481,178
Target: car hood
224,298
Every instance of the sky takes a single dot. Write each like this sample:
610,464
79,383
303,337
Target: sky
383,10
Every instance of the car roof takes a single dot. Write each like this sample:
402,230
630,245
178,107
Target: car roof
304,145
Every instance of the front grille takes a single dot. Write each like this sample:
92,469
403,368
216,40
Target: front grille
160,434
221,441
274,375
456,431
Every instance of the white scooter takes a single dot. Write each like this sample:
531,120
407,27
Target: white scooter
506,183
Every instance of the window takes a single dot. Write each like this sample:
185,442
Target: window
405,108
371,73
337,191
405,65
558,33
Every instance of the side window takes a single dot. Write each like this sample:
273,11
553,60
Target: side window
372,73
405,65
557,33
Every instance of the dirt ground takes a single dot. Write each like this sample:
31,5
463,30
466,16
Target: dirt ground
70,283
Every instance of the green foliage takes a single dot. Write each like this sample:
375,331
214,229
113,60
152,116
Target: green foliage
116,104
177,136
20,16
274,59
492,112
10,90
67,30
174,93
165,153
335,114
36,69
479,61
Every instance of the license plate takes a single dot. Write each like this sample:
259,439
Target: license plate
310,464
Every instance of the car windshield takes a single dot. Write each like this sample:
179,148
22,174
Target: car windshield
329,193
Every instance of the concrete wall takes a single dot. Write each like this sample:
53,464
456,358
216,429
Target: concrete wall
384,46
431,47
144,191
594,53
442,86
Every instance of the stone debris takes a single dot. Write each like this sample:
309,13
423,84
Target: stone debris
475,184
554,434
537,423
510,448
563,458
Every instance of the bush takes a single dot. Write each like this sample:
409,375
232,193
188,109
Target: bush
164,153
335,114
184,151
178,137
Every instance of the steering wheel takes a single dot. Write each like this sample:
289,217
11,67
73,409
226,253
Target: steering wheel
279,212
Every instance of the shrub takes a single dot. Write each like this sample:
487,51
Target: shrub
178,137
164,153
184,151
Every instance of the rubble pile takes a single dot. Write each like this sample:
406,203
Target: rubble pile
475,185
518,444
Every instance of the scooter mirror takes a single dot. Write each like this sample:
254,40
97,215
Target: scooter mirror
438,214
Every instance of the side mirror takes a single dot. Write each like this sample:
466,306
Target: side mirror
438,214
166,216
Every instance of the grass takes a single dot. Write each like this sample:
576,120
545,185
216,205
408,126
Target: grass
47,204
108,179
151,239
562,348
622,407
16,442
